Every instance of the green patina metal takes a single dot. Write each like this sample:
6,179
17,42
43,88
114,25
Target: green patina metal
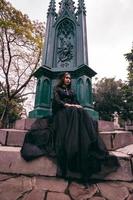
65,49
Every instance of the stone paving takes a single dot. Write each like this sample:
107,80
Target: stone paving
18,187
36,180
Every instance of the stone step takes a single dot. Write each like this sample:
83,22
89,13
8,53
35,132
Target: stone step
112,139
12,137
129,127
12,163
105,125
117,139
28,123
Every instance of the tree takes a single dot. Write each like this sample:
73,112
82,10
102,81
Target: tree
128,89
20,50
15,108
108,97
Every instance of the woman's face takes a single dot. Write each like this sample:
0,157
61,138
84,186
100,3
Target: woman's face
67,79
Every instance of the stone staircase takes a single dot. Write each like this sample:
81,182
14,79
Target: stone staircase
36,180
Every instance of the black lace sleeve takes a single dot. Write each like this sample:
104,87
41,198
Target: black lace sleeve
57,102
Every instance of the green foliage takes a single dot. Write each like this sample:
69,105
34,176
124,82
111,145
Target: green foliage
129,58
13,107
127,113
128,89
111,95
108,97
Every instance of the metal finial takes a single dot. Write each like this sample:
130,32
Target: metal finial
66,5
52,8
81,6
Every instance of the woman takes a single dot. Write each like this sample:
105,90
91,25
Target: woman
73,138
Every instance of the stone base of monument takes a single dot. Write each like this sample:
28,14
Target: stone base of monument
27,124
36,180
113,139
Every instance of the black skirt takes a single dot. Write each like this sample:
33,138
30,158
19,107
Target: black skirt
74,140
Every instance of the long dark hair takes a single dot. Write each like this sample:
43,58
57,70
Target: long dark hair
61,79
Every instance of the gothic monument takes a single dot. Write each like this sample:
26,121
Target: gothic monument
65,49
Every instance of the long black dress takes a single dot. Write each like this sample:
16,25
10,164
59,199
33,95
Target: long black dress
73,138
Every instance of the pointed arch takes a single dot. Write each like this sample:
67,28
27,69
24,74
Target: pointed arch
80,90
45,92
65,44
88,91
38,89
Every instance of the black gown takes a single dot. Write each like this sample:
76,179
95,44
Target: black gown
72,138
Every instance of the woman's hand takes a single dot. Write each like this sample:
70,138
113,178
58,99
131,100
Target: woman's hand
68,105
78,106
73,105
